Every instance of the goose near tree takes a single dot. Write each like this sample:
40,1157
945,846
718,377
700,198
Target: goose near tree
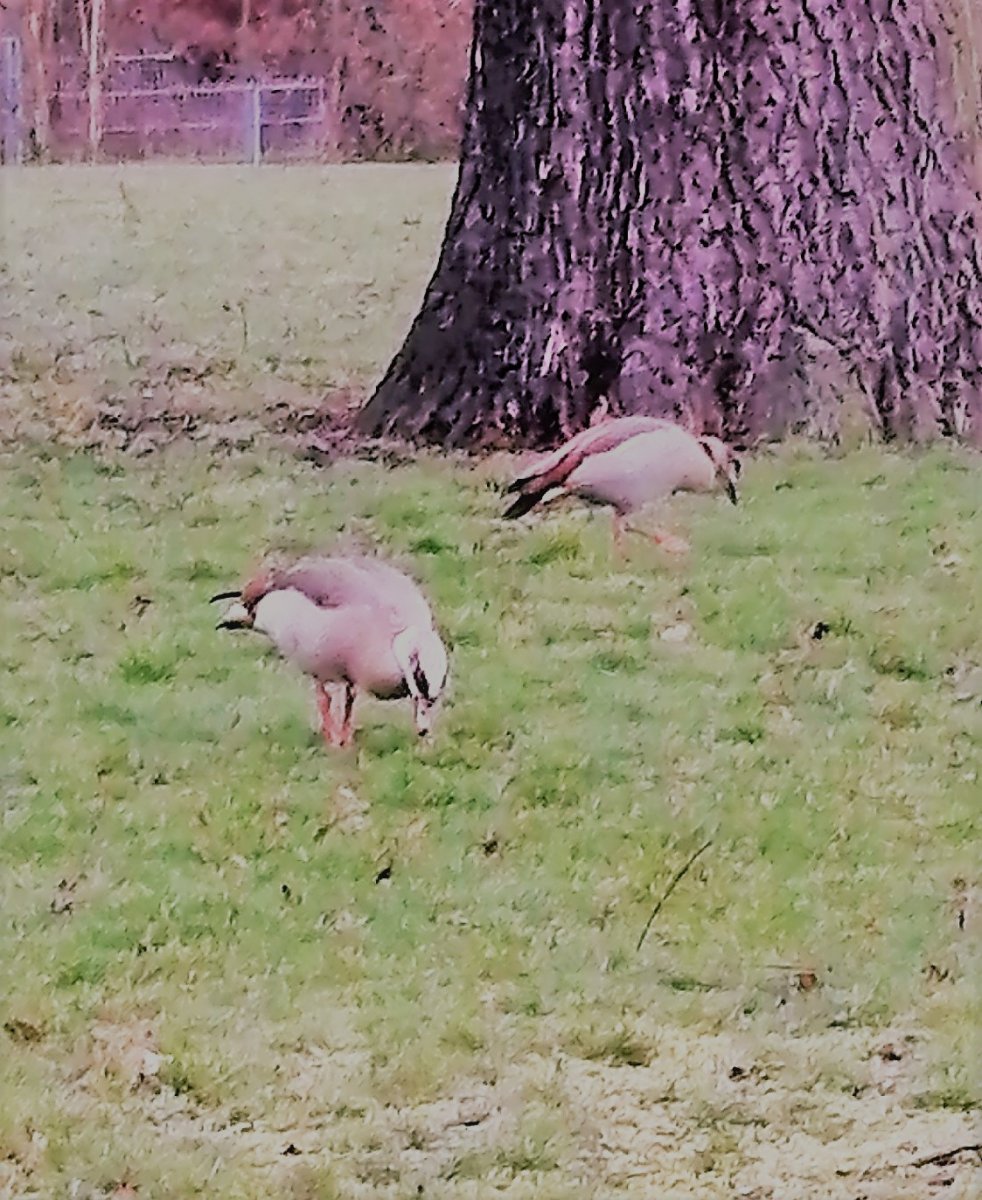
626,464
352,624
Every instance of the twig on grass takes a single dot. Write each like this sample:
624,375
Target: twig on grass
676,879
946,1156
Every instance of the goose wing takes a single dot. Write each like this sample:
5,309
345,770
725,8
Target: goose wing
553,469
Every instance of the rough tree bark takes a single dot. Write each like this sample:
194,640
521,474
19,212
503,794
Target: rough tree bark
665,206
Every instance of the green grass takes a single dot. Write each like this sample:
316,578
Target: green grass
185,872
224,865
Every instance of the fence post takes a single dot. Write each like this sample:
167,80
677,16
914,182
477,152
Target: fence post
97,31
254,123
11,93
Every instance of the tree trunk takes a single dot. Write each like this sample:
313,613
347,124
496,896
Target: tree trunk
663,205
95,81
332,110
39,52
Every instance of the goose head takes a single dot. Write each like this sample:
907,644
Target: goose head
241,614
726,464
422,658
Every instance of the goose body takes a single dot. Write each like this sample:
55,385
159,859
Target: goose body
627,464
354,624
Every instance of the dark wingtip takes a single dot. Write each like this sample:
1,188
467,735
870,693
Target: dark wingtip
522,505
224,596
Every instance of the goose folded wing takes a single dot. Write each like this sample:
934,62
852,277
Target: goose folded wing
554,468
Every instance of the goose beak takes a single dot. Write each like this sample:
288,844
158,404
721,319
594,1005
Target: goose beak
236,616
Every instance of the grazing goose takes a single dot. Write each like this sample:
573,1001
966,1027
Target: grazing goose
354,622
626,464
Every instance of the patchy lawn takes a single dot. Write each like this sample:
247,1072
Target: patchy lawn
208,988
235,966
201,294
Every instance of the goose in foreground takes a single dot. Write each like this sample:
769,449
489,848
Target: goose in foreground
626,464
352,624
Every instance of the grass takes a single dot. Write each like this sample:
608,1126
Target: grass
205,987
222,288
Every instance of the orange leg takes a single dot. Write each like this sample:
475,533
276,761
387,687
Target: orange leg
669,541
328,729
662,538
618,534
347,725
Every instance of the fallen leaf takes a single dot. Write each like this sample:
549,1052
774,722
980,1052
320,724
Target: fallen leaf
346,921
473,1110
347,811
63,900
806,981
964,901
23,1031
966,681
128,1050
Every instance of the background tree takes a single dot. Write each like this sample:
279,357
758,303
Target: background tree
37,27
706,208
393,67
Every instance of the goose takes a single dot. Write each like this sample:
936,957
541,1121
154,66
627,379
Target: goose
626,464
352,624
